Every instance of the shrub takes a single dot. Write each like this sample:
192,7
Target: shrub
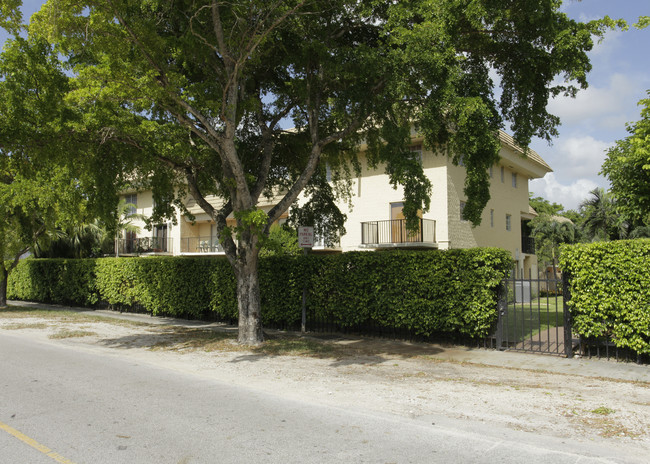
172,286
424,292
65,281
610,291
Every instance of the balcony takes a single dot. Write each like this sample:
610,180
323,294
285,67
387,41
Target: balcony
144,245
393,233
527,245
200,245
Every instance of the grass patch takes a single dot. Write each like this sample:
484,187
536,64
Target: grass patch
603,411
67,333
19,326
525,320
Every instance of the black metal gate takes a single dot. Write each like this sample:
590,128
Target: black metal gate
532,317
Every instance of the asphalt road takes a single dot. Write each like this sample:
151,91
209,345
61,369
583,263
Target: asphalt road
67,405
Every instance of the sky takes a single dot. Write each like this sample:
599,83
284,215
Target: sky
594,120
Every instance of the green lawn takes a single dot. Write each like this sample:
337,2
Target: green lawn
525,320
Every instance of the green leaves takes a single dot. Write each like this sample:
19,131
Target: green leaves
628,168
201,87
11,16
190,96
452,292
610,291
549,233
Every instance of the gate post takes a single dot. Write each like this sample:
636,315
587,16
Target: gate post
566,297
502,307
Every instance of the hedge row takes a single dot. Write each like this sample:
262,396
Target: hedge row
610,291
425,292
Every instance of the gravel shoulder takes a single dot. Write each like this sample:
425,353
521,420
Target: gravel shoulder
585,401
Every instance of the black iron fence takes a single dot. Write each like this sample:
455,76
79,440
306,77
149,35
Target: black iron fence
533,317
395,231
143,245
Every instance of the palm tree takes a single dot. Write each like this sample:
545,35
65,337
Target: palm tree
125,215
601,220
549,232
85,239
640,232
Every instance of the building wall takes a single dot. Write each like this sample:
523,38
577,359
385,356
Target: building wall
506,199
144,207
372,195
372,198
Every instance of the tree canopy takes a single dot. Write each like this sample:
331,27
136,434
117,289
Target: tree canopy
38,194
197,94
628,169
543,206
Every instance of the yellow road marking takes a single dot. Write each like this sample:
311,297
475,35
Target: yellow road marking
34,444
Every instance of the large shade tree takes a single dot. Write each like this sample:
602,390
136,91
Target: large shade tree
38,194
199,93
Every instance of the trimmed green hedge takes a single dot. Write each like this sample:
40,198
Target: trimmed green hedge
65,281
610,291
422,291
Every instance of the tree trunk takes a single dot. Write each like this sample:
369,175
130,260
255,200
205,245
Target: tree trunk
554,266
3,286
248,300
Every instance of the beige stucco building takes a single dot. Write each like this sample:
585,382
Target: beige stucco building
375,219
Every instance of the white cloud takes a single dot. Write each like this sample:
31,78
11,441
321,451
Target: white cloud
610,43
570,196
579,157
604,107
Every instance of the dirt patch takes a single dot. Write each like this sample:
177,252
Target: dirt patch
396,378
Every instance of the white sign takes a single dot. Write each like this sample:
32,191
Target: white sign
306,237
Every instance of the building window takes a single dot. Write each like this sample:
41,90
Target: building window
461,160
514,179
132,201
503,174
491,218
462,209
491,172
508,222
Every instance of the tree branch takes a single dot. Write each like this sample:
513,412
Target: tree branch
268,145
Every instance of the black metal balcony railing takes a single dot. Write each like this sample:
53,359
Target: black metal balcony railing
136,246
527,245
200,245
394,231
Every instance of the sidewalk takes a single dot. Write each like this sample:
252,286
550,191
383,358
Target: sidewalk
584,367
